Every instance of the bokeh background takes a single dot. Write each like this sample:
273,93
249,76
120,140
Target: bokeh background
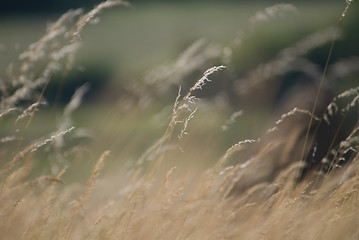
136,58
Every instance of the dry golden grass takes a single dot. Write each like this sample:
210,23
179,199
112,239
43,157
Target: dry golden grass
170,202
171,206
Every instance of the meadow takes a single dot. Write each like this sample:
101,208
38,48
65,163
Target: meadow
180,122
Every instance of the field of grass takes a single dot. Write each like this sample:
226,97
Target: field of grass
175,137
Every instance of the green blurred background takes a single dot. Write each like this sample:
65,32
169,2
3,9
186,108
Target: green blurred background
127,44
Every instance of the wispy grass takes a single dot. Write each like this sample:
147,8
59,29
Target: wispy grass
258,198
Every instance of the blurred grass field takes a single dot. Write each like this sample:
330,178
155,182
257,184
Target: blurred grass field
126,43
154,145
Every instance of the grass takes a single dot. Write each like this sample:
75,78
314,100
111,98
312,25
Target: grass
196,169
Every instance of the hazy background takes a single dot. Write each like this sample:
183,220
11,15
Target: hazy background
124,109
127,42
